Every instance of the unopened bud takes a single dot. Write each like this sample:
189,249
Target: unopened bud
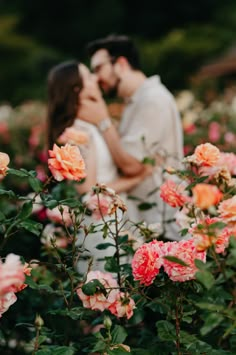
38,321
107,322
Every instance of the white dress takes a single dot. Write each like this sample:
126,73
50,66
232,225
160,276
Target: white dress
106,172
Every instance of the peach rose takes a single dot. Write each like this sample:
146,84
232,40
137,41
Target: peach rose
123,306
4,161
207,154
186,251
6,301
147,261
173,194
73,136
206,195
100,301
12,274
66,163
204,155
227,209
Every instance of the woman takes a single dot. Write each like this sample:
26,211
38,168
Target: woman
68,82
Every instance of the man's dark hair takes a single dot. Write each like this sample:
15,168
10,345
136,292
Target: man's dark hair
117,46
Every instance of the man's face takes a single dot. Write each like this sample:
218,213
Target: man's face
104,69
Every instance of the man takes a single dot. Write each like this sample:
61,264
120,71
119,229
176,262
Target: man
150,124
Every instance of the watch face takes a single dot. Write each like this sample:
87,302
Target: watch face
104,124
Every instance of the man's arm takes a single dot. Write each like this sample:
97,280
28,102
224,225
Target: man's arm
95,112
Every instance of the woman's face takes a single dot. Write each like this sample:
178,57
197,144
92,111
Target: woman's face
90,86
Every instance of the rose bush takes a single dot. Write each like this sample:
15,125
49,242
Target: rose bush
165,297
154,296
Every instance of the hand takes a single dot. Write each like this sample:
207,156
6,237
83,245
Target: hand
92,110
91,91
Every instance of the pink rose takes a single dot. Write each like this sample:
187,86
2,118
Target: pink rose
214,132
11,274
186,251
66,163
60,215
173,194
147,261
6,301
99,205
123,306
100,301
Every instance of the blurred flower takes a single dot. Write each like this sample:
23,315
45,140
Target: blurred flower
72,135
103,201
4,161
60,215
214,132
205,235
12,274
66,163
52,235
123,306
6,301
100,300
227,209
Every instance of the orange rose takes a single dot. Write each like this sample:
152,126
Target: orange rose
207,154
205,195
66,163
4,161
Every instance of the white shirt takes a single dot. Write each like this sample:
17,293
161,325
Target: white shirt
151,125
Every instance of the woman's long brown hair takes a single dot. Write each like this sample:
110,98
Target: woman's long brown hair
64,84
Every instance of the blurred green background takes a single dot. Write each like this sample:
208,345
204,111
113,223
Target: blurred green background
175,38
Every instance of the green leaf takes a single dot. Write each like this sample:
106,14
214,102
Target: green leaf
211,322
51,204
36,184
144,206
166,330
20,173
9,193
148,160
205,278
2,217
26,210
56,350
32,226
210,306
118,334
92,287
111,264
200,264
175,260
104,246
74,313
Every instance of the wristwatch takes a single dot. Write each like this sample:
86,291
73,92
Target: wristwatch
104,124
